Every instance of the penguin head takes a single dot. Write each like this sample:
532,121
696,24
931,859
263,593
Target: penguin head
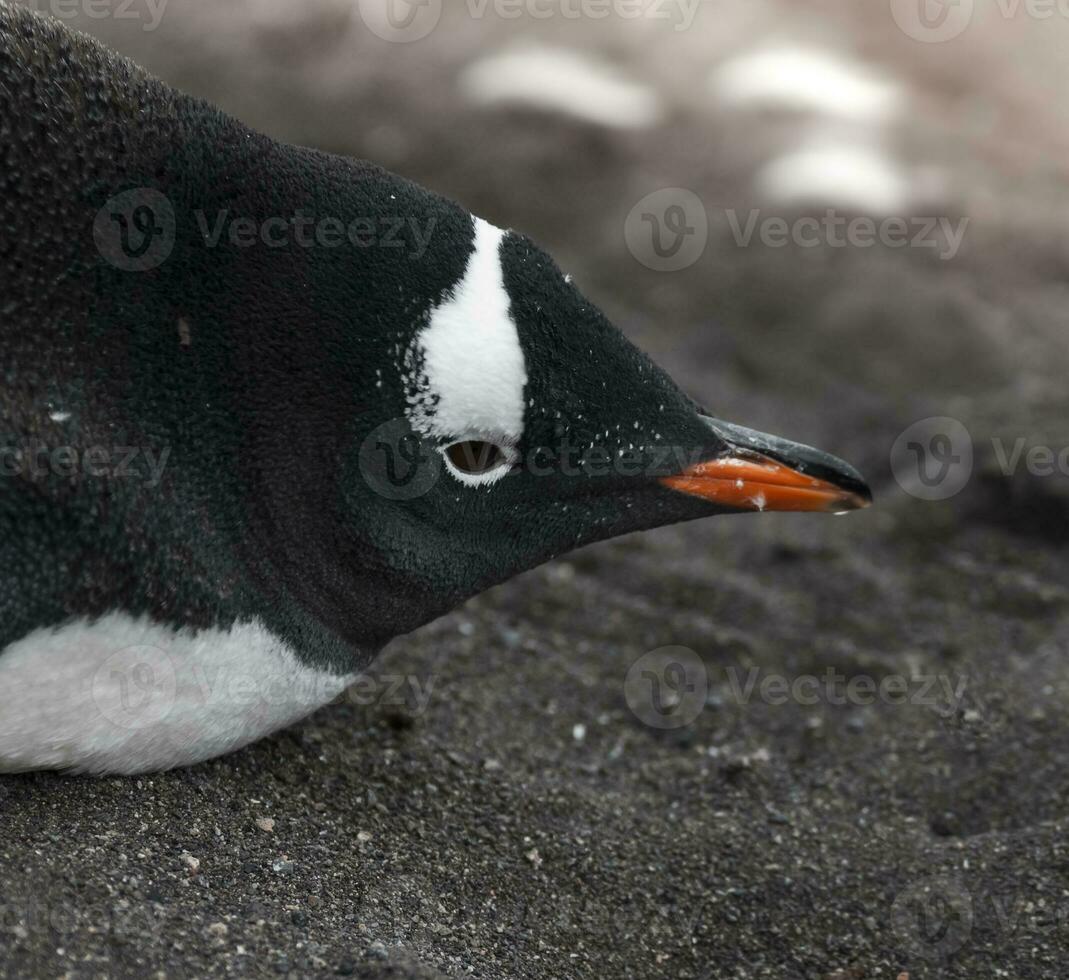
517,423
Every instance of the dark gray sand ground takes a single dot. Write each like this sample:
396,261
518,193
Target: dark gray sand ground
504,812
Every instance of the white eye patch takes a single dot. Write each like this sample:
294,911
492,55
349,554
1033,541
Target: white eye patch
471,368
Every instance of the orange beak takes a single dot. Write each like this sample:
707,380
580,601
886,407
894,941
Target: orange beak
759,472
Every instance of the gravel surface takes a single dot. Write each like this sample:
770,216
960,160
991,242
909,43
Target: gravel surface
871,778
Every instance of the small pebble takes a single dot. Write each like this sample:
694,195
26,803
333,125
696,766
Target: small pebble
377,951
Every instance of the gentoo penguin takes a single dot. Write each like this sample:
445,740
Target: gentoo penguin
263,409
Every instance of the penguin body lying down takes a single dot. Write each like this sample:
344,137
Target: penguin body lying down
264,409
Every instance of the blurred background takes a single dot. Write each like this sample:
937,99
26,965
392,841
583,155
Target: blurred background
561,118
841,222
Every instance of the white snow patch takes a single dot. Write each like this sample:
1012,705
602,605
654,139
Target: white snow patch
561,80
807,80
846,175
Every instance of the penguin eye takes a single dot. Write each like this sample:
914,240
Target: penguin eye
477,462
475,457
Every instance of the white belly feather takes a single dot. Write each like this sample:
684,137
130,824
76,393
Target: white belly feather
129,695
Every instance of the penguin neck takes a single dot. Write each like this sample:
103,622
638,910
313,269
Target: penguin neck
282,352
249,365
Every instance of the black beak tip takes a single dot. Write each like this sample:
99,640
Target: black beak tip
824,466
804,459
840,474
860,493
